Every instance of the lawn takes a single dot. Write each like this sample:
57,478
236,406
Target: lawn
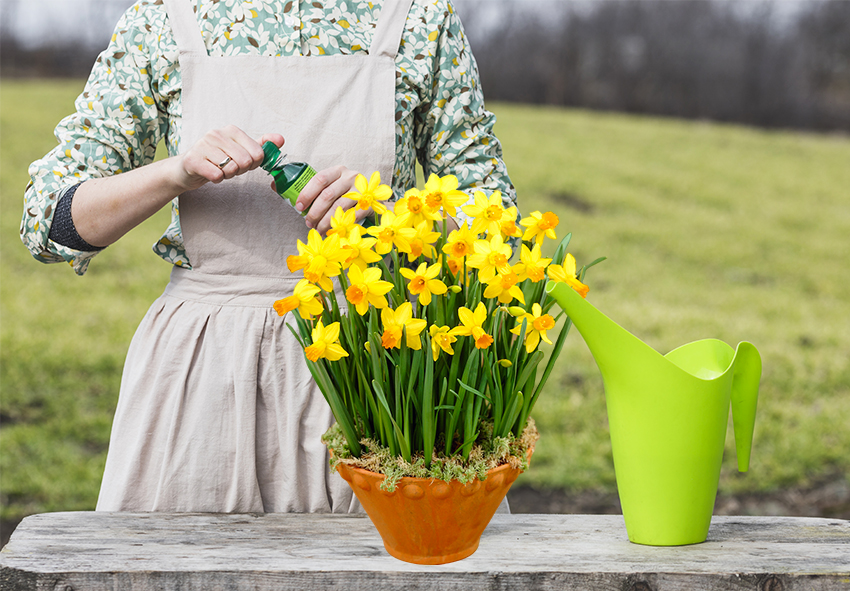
710,231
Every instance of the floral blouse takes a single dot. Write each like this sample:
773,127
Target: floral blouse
132,100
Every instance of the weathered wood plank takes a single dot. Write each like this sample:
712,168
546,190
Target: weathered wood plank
141,552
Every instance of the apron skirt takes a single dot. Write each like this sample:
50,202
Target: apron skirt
217,376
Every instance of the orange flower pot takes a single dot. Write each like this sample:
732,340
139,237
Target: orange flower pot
429,521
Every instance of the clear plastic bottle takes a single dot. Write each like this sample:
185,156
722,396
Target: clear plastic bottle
289,177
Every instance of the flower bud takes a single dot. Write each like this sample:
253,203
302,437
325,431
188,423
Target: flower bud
368,346
516,311
455,288
505,362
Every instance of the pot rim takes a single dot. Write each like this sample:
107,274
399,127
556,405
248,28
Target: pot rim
419,479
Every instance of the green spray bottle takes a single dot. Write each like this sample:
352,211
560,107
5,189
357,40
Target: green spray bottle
289,177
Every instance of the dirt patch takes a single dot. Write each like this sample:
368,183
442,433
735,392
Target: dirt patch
573,201
830,499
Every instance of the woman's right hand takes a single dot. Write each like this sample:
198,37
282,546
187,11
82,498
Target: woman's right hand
230,147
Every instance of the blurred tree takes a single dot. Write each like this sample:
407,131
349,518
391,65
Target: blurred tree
751,63
824,34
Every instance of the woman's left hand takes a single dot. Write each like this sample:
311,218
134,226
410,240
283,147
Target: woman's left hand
324,193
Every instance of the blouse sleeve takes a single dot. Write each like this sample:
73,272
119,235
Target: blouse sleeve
116,127
454,132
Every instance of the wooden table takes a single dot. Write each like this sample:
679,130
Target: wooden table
189,552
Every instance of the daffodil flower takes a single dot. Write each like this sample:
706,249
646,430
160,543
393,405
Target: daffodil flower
413,203
366,287
319,258
507,226
325,343
459,243
490,257
504,287
358,250
539,225
303,299
532,265
400,322
421,244
536,327
441,192
370,193
566,273
393,231
471,325
342,222
486,212
441,338
423,282
455,266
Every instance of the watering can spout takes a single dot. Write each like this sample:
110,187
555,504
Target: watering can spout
609,343
745,386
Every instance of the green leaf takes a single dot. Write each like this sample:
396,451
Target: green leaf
401,441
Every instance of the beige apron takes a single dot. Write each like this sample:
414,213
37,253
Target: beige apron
217,410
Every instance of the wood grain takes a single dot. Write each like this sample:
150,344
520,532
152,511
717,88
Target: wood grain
147,551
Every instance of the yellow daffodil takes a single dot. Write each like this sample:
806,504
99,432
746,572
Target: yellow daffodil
504,286
536,327
508,226
486,213
490,257
319,258
566,273
400,322
441,192
393,231
532,265
421,244
342,222
370,193
460,242
471,325
455,266
413,203
303,299
423,282
539,225
358,250
325,343
441,338
366,287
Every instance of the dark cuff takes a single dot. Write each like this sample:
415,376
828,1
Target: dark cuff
63,230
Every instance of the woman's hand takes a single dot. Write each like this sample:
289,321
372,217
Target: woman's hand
324,193
221,154
104,209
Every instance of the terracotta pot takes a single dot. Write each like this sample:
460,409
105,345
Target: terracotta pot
429,521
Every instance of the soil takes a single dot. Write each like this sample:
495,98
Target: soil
829,499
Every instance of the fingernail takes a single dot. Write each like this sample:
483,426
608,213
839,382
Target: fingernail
299,207
309,223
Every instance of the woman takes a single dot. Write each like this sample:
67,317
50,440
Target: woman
217,411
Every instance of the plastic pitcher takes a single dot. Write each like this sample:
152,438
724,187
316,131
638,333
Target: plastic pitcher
667,416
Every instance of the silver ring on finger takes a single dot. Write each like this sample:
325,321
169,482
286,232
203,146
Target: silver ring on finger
225,162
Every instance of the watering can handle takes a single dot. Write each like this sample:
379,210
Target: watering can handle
745,390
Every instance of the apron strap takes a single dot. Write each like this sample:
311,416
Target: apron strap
388,31
187,32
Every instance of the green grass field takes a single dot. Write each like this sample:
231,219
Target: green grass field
711,231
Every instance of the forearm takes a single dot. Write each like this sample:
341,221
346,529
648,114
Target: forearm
104,209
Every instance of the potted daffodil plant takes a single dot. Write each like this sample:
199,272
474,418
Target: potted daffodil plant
426,344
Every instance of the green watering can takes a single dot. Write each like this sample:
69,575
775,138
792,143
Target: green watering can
667,417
